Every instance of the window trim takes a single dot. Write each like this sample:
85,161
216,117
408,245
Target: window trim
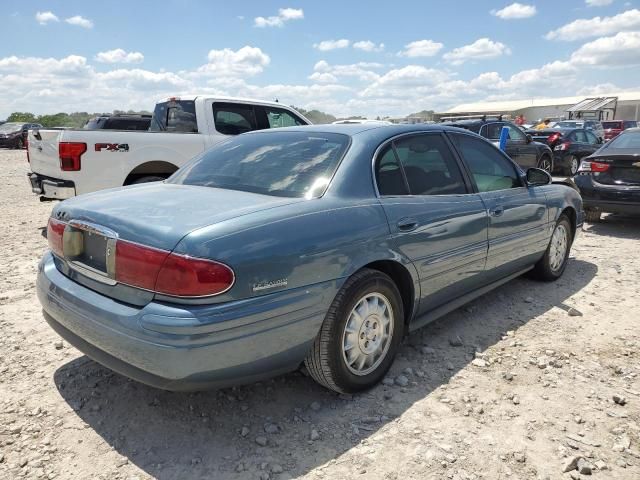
518,170
470,187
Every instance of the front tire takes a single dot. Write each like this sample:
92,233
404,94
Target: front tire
546,163
19,144
592,216
360,335
552,265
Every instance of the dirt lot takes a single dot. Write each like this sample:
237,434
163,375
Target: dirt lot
512,386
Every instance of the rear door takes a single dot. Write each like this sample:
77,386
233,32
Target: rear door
518,216
493,130
437,222
527,151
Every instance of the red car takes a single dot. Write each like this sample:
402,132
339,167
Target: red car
614,128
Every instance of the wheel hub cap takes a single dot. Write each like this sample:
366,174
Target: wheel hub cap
367,334
558,251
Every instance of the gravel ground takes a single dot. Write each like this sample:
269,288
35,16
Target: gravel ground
524,383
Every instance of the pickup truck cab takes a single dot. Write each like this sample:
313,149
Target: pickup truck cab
65,163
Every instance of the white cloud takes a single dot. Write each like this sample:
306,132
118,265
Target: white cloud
323,77
119,56
361,71
46,17
421,48
620,50
246,61
515,11
481,49
327,45
598,3
368,46
79,21
284,15
597,26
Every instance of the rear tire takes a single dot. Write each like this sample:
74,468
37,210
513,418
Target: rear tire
148,179
19,144
574,164
365,321
592,216
552,265
546,164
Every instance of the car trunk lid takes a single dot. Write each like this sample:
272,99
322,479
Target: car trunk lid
624,169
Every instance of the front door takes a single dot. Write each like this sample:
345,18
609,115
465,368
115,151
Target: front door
518,217
435,221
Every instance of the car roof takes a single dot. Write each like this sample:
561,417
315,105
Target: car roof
353,130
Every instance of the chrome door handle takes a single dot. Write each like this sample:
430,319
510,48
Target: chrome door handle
497,211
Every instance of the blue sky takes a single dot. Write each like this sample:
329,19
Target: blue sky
370,58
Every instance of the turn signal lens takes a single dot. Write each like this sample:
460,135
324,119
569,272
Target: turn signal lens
55,231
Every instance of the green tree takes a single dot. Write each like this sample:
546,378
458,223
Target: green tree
22,117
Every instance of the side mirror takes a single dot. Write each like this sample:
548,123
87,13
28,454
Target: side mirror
529,138
537,176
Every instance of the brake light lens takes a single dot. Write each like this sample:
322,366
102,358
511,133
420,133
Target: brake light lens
138,265
55,231
184,276
70,153
553,138
563,146
170,273
593,167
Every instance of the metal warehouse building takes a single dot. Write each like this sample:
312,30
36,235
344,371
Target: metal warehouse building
618,106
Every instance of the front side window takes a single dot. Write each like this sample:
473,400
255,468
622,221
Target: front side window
234,118
429,165
489,167
282,164
278,117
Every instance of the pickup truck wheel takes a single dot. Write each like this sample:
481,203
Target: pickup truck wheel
360,335
147,179
546,163
551,266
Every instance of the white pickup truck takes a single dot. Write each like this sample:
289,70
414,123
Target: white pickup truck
65,163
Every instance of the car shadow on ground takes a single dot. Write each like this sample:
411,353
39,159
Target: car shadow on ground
617,225
216,434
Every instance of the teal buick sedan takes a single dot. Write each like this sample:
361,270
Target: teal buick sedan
318,245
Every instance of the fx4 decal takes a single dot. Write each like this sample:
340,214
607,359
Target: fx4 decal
112,147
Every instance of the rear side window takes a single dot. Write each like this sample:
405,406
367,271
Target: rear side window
175,116
127,124
591,138
389,175
234,118
429,166
490,169
492,131
278,117
579,136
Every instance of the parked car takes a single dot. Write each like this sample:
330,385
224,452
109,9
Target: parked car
322,244
594,125
14,134
613,128
73,162
609,180
520,146
120,121
569,146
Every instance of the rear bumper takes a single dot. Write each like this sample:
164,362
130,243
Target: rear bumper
608,199
181,347
51,188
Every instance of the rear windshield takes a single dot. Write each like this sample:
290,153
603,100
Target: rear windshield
10,127
625,140
175,116
612,124
282,164
569,124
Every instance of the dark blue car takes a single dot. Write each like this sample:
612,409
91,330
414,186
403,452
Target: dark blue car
321,245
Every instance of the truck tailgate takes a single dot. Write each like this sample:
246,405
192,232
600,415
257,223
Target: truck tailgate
43,152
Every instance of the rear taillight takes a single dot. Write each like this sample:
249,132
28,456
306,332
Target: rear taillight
170,273
553,138
70,153
184,276
55,230
593,167
562,146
